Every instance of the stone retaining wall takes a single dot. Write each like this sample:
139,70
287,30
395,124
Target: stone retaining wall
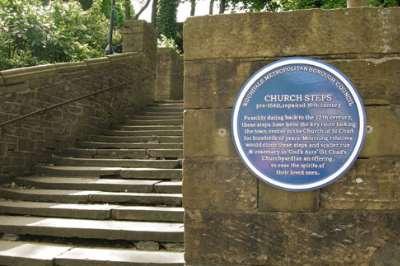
27,142
234,219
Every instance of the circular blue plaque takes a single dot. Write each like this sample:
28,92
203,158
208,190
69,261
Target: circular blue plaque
298,124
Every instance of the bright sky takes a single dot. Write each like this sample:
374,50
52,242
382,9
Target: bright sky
183,9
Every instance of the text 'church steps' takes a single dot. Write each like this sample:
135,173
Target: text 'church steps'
114,199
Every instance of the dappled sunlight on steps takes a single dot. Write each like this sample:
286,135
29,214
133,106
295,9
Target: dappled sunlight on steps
115,199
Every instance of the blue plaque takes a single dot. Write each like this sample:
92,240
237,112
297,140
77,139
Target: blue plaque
298,124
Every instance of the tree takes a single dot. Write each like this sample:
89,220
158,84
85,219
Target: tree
222,6
211,8
192,7
32,34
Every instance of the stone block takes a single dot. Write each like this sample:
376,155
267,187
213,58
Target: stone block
216,83
383,132
306,32
276,238
372,184
218,184
207,133
63,68
273,199
21,75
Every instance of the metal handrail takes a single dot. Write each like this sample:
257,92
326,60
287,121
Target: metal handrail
56,105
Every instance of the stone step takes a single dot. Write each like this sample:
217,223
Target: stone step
86,196
148,213
119,257
46,209
165,153
92,211
147,112
169,102
170,122
20,253
144,133
131,163
118,172
137,139
92,229
125,153
177,109
129,145
150,127
158,117
101,184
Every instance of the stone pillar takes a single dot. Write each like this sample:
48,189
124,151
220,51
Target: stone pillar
138,36
232,218
169,85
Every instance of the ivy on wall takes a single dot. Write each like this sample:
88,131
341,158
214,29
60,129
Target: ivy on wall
167,26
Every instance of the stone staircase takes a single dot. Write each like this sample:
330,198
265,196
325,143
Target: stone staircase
115,199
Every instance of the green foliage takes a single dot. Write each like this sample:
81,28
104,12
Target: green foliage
119,17
32,33
384,3
329,4
86,4
304,4
166,22
254,5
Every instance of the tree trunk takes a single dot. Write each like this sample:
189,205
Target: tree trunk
211,8
222,6
154,13
356,3
192,7
128,9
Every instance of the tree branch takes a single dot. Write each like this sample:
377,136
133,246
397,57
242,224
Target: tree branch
143,8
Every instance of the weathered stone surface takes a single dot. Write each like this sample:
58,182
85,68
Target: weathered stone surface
358,215
322,238
112,257
148,213
360,31
371,184
207,133
273,199
99,184
147,245
123,230
388,255
216,83
220,184
383,132
44,209
214,138
29,253
30,89
169,84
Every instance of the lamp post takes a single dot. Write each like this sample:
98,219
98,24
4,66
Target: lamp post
109,48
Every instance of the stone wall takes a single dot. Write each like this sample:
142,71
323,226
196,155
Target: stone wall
234,219
34,139
139,36
169,84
